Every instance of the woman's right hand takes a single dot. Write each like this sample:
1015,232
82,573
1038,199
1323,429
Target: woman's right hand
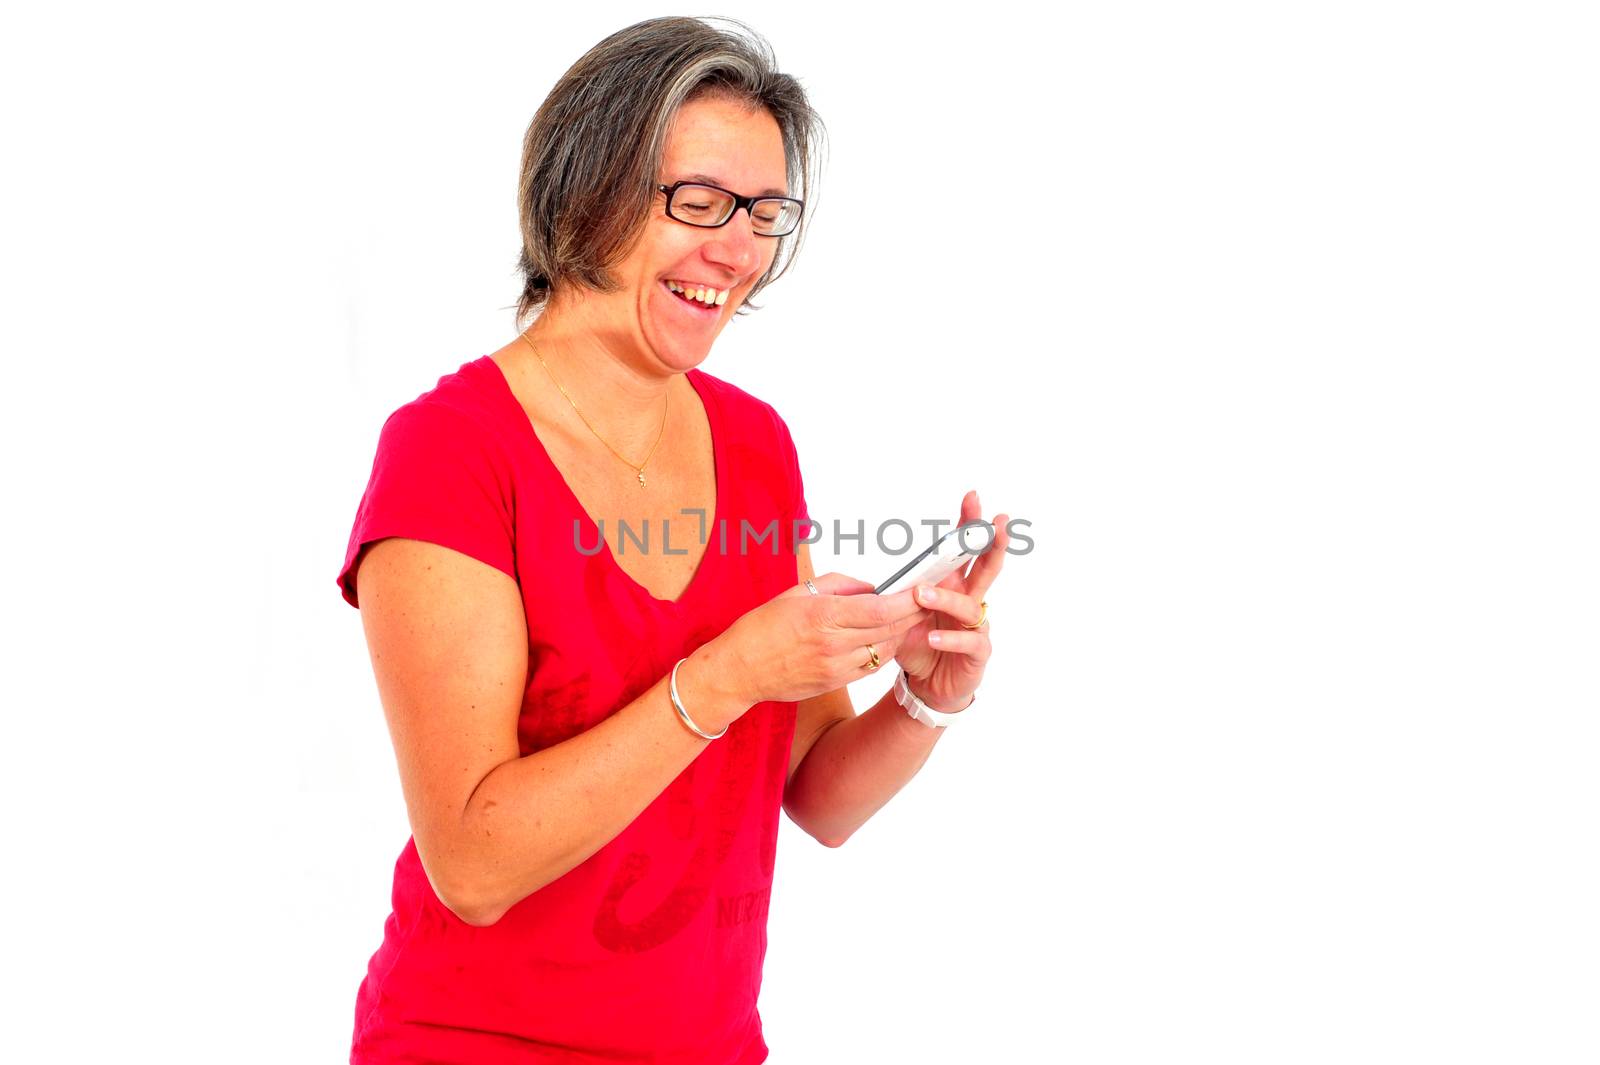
797,645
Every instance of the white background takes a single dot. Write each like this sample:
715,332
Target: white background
1278,321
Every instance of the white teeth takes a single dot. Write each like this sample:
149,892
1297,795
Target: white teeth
709,296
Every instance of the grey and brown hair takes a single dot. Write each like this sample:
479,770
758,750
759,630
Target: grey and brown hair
593,151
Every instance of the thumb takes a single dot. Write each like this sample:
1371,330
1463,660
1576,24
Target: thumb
839,584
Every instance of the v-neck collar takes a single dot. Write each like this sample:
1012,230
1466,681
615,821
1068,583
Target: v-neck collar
697,379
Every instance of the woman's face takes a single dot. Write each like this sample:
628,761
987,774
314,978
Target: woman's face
719,142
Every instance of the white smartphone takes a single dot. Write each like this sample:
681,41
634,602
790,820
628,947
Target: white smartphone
945,556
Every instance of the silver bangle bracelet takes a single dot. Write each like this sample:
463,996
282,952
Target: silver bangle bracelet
677,704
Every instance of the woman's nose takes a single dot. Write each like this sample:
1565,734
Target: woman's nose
734,242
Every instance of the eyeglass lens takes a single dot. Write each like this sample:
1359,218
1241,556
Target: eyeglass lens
701,205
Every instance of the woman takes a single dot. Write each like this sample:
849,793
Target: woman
594,744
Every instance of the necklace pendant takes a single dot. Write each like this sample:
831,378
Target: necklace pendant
641,478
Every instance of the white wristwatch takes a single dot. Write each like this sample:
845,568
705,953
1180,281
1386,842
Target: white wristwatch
920,710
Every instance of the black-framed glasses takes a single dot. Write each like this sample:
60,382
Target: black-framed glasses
708,206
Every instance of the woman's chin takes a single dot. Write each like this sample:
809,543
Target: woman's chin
678,353
683,344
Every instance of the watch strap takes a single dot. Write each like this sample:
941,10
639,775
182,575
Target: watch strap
921,711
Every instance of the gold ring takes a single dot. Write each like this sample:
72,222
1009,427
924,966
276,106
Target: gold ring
873,662
982,617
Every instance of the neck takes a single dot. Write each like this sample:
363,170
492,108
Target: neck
619,396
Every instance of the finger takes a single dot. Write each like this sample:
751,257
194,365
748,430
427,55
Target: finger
974,644
987,567
871,611
976,534
959,605
839,584
829,584
856,660
892,631
971,509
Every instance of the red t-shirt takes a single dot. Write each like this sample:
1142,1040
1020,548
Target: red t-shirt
651,950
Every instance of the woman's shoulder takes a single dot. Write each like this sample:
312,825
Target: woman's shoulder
440,474
461,409
465,393
448,437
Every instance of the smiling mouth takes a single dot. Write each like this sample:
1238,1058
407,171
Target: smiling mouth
699,297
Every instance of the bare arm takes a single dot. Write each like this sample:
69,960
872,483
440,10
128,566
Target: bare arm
844,767
449,646
855,768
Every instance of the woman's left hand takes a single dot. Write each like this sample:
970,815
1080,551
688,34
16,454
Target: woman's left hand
944,661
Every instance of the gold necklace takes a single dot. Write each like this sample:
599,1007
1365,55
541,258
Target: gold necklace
639,468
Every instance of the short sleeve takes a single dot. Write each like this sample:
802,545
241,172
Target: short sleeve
436,477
